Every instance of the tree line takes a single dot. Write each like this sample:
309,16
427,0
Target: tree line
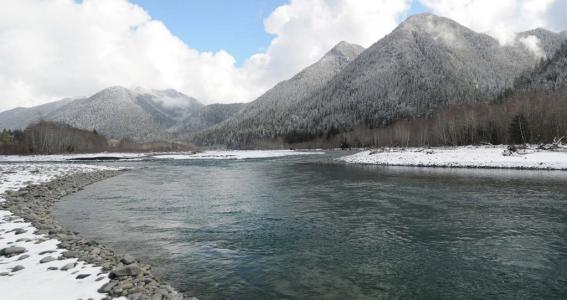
46,137
525,116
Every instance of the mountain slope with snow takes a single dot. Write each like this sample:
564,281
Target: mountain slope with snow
424,64
266,114
19,118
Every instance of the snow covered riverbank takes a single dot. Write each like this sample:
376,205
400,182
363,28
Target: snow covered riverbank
40,259
30,269
205,155
237,154
463,157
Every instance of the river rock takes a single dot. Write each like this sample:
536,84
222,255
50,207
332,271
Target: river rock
70,254
81,276
129,270
128,259
46,260
17,268
12,251
68,266
22,257
19,231
105,289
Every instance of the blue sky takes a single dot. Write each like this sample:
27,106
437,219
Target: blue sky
212,25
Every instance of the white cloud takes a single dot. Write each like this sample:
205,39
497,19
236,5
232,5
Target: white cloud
503,18
532,43
50,49
63,48
306,29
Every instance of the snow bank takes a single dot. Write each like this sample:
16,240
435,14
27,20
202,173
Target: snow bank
462,157
227,154
70,157
35,281
238,154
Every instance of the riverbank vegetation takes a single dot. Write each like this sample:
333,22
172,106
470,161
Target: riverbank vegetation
46,137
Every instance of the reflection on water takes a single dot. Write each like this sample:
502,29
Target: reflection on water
294,228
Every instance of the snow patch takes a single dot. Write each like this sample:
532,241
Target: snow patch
462,157
238,154
70,157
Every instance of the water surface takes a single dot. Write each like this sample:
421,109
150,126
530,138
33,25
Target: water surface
299,228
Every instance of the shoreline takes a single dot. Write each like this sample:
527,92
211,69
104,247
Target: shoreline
119,276
464,157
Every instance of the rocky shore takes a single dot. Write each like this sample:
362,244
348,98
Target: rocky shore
125,276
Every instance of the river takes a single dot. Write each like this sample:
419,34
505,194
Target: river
305,228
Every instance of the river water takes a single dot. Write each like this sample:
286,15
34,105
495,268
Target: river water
305,228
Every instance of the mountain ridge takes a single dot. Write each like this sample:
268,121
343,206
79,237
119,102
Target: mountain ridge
120,113
427,62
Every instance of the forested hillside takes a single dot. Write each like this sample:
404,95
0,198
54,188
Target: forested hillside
263,117
424,65
137,115
535,111
210,115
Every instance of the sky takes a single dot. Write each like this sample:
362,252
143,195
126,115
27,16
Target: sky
213,25
218,51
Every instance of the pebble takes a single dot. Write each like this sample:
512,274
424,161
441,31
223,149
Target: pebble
81,276
129,270
46,260
17,268
68,266
12,251
20,231
105,289
22,257
128,259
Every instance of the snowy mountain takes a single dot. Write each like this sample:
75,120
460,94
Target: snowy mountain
265,115
424,64
210,115
19,118
118,112
137,114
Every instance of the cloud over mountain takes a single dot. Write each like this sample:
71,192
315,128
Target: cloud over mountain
65,48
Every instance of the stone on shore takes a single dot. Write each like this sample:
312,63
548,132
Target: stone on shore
12,251
19,231
128,259
17,268
68,266
129,270
22,257
105,289
46,260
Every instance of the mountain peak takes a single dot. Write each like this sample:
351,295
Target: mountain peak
113,91
345,49
423,18
428,22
